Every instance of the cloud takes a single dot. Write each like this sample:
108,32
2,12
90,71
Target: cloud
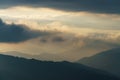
97,6
12,33
58,39
72,47
53,39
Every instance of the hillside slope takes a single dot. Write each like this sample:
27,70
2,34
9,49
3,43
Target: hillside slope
107,60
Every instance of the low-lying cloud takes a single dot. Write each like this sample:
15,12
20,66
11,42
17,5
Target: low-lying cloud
12,33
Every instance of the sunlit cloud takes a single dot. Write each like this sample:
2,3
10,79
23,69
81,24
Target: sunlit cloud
32,13
47,15
74,34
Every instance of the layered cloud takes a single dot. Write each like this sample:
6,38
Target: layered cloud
70,43
97,6
69,47
12,33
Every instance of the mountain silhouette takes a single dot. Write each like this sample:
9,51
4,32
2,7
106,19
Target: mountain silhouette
14,68
107,60
42,56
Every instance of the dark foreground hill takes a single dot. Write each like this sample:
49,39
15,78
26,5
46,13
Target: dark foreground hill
13,68
107,60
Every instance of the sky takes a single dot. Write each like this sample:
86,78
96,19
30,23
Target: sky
59,29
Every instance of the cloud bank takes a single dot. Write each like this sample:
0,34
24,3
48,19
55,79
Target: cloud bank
97,6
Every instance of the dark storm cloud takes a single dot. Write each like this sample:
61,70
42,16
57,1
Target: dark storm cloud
17,33
97,6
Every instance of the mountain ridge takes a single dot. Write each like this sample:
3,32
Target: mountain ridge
14,68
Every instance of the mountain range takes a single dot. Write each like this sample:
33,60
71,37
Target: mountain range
15,68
